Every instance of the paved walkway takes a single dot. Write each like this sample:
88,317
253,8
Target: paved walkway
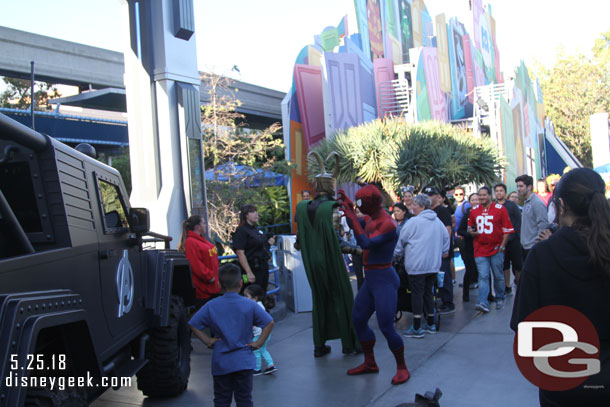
470,359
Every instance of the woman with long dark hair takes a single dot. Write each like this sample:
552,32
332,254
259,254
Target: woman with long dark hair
203,257
572,268
252,247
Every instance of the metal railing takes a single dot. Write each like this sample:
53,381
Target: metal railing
273,269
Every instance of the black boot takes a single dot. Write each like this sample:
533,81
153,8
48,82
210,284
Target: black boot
320,351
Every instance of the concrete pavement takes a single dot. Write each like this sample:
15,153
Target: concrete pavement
470,359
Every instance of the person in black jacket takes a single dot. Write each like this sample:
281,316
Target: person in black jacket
471,275
252,247
572,268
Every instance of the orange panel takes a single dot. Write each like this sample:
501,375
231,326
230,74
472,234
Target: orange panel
298,155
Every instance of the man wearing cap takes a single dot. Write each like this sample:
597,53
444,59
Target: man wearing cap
490,227
446,291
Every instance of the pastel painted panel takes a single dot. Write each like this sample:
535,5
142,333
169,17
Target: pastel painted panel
508,144
498,72
427,28
459,98
384,72
375,28
342,27
499,77
406,31
308,83
390,17
367,80
421,87
469,68
443,53
436,97
393,44
387,43
329,38
479,73
314,56
416,9
486,44
363,26
298,178
342,78
477,12
295,115
519,147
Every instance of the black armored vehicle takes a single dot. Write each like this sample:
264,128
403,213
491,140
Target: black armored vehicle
83,304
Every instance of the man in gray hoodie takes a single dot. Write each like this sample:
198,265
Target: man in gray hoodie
423,241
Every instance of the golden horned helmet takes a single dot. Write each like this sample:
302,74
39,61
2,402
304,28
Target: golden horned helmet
325,183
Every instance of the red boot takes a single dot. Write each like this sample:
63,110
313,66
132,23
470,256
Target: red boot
402,373
369,365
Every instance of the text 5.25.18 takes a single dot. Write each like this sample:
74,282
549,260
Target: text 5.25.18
38,361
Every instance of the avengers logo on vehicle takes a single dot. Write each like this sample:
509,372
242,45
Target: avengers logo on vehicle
124,284
557,348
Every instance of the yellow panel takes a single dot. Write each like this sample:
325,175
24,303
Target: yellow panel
396,49
444,71
315,57
416,9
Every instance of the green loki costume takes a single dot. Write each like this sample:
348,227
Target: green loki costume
331,290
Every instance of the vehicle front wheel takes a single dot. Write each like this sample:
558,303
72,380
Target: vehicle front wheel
169,355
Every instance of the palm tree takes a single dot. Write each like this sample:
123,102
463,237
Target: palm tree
392,152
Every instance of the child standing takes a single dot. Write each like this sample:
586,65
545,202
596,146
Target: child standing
256,293
230,318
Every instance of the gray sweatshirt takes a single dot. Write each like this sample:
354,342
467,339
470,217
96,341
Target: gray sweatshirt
533,220
423,240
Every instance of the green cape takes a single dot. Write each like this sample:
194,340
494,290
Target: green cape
333,298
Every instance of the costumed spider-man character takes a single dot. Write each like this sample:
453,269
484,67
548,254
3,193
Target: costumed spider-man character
376,234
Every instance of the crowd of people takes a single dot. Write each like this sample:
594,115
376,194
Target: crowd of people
500,236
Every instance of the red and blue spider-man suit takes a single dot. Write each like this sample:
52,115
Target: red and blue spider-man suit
376,234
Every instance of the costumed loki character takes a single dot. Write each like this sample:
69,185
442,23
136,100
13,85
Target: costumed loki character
331,290
376,234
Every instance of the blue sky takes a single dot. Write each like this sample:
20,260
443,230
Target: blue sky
264,37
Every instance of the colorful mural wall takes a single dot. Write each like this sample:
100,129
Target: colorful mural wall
338,80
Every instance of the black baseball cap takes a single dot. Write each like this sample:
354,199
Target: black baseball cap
431,191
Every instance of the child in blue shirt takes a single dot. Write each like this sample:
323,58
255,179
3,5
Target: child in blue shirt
230,318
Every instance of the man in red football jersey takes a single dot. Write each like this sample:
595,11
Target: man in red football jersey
490,226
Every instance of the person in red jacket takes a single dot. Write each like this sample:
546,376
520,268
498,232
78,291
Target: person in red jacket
203,257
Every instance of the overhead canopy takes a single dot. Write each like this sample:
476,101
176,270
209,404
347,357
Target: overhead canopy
251,177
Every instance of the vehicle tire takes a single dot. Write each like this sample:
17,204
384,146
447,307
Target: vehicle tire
169,355
41,397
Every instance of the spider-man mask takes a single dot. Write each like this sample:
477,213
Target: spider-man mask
368,199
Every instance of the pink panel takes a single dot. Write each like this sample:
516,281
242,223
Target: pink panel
477,11
469,70
343,76
499,78
384,72
436,98
308,83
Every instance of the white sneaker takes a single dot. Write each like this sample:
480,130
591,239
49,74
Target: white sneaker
482,307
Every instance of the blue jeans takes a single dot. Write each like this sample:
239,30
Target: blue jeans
496,264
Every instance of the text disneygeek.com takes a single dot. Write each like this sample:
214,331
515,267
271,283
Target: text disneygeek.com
61,383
